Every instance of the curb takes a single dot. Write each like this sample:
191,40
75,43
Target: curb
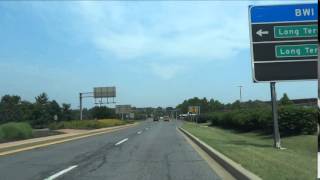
232,167
47,142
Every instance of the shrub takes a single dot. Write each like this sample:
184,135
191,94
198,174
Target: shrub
297,120
292,120
15,131
203,118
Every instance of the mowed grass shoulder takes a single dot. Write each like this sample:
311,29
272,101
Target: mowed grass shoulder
256,153
88,124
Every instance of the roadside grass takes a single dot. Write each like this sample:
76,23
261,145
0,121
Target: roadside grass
88,124
255,152
15,131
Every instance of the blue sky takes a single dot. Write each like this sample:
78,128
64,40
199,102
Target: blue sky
155,53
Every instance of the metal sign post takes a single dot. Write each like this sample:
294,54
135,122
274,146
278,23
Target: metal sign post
276,133
81,96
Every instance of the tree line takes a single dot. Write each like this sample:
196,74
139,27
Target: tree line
44,111
212,105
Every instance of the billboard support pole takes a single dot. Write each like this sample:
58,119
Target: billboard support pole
276,133
80,97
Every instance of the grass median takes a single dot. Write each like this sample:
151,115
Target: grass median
255,152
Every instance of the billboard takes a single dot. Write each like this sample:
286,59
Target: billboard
104,92
123,109
194,109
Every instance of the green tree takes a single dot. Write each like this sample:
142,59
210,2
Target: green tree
285,100
42,99
102,112
10,109
26,108
66,112
41,115
53,109
236,105
215,105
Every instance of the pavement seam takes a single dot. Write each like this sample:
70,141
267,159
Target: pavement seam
232,167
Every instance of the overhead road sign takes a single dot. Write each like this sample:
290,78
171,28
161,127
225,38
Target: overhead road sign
284,42
123,109
104,92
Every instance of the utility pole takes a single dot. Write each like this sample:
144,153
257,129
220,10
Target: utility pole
80,97
240,88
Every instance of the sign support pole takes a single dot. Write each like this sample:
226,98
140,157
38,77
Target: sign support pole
80,97
276,134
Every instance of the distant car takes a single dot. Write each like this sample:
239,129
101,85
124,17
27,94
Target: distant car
166,118
161,118
155,119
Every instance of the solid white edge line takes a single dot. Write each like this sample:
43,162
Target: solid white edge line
122,141
61,172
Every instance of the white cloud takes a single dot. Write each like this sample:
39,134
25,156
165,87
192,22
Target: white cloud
201,31
167,71
160,31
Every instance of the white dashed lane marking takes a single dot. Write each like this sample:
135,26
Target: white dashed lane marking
122,141
56,175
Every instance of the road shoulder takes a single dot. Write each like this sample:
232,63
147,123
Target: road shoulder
215,166
225,163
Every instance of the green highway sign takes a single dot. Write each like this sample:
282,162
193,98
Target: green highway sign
284,42
301,50
296,31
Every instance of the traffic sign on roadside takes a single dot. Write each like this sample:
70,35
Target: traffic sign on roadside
284,44
194,109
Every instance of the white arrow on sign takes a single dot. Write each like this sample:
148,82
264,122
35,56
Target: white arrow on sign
261,33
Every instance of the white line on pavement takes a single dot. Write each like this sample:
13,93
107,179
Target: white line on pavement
139,132
122,141
61,172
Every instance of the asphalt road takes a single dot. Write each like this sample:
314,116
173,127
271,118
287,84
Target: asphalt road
148,151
